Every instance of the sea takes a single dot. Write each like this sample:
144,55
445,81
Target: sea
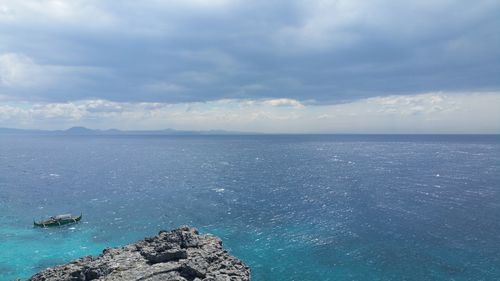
292,207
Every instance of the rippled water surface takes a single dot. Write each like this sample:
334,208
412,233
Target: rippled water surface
292,207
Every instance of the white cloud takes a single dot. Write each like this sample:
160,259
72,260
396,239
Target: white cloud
203,4
60,111
84,14
21,76
283,102
412,105
422,113
12,114
19,70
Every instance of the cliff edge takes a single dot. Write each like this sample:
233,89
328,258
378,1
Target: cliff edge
178,255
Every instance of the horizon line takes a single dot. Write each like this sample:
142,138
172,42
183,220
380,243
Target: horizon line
206,132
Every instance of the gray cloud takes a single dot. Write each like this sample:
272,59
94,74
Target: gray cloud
193,50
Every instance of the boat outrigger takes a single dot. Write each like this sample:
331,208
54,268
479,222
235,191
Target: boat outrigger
58,220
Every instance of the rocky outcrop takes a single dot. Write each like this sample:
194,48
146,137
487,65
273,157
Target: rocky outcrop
178,255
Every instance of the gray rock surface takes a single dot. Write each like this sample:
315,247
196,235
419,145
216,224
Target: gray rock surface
178,255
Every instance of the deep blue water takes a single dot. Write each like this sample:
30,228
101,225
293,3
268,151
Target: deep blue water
292,207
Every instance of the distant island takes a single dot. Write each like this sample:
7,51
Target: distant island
81,131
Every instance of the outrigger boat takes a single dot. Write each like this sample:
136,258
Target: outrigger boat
58,220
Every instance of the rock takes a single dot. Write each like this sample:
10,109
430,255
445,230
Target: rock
181,254
194,268
164,256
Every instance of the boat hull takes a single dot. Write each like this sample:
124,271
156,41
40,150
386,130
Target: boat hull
53,223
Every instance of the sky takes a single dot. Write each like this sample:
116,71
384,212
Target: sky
293,66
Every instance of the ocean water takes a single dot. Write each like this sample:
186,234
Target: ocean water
292,207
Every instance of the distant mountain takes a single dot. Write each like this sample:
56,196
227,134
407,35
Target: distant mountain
80,131
86,131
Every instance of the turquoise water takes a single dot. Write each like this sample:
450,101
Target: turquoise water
292,207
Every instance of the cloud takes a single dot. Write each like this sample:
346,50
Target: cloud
413,105
283,102
163,87
284,66
422,113
327,51
21,78
51,13
19,70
